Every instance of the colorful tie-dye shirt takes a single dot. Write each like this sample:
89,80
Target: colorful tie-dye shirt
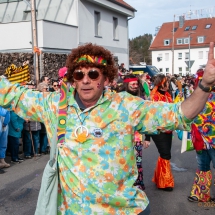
205,121
97,176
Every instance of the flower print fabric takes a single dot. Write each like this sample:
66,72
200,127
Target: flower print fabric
97,176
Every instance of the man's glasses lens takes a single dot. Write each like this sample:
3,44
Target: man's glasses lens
79,75
93,74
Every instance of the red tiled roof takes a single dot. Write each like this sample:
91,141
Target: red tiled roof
124,4
165,32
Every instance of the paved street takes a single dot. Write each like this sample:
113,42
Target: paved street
19,185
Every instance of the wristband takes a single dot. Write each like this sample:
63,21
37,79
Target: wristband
205,89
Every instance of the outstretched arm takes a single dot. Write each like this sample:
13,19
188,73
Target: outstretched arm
192,106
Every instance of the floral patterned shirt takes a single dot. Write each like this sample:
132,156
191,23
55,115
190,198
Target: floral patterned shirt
97,176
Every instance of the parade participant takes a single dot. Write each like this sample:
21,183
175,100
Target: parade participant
133,86
173,87
163,177
144,78
203,130
96,161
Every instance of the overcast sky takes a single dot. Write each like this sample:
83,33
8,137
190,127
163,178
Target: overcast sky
153,13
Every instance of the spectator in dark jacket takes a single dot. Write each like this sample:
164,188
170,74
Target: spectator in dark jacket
31,133
14,134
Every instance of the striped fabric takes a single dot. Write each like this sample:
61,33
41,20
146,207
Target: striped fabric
18,74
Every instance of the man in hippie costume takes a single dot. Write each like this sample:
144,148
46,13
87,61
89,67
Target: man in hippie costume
203,138
96,166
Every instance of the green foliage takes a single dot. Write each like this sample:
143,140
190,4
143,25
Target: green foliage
139,49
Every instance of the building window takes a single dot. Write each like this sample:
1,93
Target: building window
186,40
167,70
208,26
200,39
159,58
187,28
206,54
187,56
200,54
166,42
166,56
179,41
187,69
161,70
175,29
179,56
194,27
180,69
115,28
97,17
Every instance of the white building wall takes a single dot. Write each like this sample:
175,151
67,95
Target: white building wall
118,47
57,36
15,36
18,36
199,55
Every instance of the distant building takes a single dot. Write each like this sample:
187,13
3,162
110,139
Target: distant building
196,33
64,24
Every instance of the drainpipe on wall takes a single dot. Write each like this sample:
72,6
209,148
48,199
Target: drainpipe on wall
128,39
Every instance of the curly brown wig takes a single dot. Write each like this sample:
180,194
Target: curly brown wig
109,70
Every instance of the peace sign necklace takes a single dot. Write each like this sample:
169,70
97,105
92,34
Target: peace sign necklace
81,132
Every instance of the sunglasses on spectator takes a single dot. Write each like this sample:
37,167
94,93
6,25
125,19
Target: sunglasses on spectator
55,85
78,75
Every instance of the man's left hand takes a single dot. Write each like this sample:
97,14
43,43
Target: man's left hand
208,78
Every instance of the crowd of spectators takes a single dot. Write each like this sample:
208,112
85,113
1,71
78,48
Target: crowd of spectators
178,84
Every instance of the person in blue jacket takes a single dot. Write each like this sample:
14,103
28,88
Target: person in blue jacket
4,120
15,130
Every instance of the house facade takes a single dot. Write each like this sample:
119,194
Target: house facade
185,49
62,25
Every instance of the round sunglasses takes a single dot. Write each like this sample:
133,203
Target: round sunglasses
79,75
